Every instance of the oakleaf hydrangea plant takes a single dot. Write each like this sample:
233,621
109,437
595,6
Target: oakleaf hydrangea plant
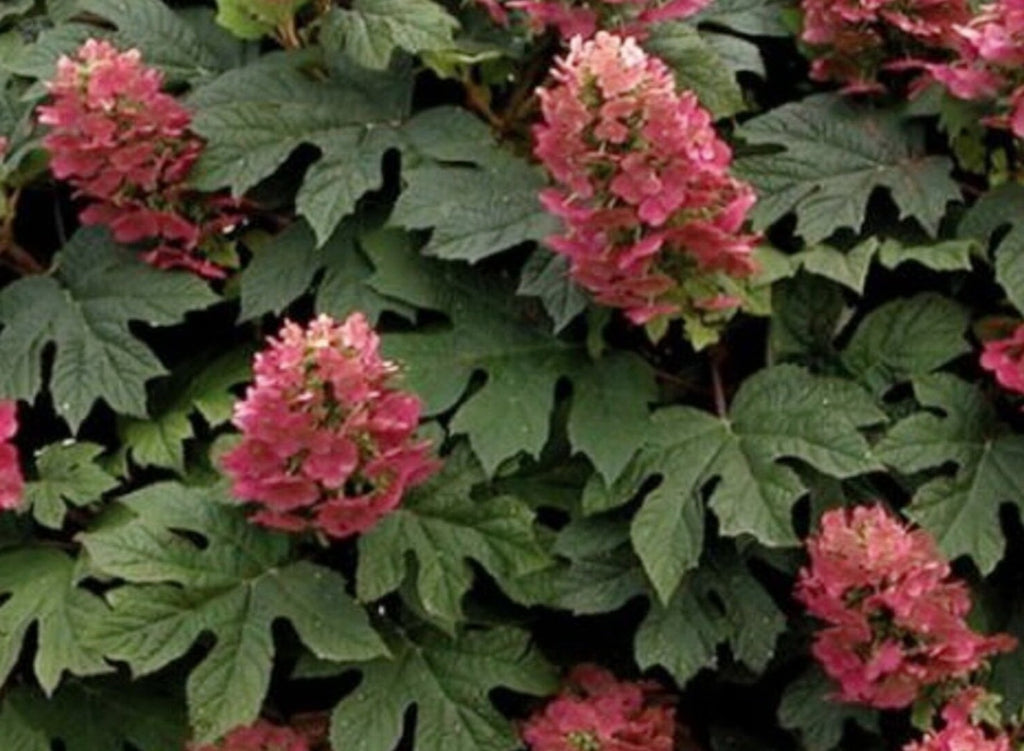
504,375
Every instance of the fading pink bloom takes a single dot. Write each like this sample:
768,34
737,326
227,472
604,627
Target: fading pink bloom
327,441
960,732
584,17
895,618
12,483
261,736
596,712
1005,359
652,217
127,149
989,63
853,40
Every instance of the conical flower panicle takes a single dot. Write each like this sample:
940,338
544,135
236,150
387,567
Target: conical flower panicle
327,440
126,148
652,217
895,619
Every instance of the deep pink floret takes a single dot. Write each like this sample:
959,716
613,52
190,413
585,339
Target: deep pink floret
12,482
596,712
126,148
1005,359
895,620
261,736
960,732
653,220
327,439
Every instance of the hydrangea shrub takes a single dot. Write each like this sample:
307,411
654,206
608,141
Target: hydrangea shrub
483,375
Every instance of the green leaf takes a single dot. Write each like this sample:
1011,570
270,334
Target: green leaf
958,426
103,715
251,19
18,734
615,390
253,118
39,587
596,571
475,210
848,268
719,602
448,681
281,271
835,155
546,275
906,338
371,30
489,334
697,66
779,413
753,17
806,318
235,586
807,708
443,526
951,255
84,310
197,387
66,473
995,210
165,39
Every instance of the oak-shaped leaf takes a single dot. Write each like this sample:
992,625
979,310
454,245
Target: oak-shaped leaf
957,426
66,473
369,31
448,680
83,310
99,714
40,586
834,155
782,412
443,526
234,585
720,602
489,333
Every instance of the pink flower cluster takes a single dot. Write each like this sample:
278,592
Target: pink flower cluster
596,712
585,17
652,217
960,732
327,441
895,619
854,39
126,148
990,61
261,736
12,483
1005,358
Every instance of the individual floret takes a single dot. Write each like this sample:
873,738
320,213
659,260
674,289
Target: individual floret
1005,359
895,619
653,220
126,148
596,712
327,440
12,483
